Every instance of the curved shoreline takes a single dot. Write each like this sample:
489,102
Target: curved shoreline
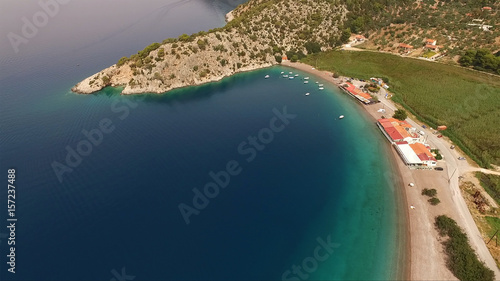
405,271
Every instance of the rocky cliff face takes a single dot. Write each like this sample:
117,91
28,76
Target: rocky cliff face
259,33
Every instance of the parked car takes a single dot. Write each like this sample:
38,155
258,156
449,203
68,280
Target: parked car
438,168
452,147
440,136
461,158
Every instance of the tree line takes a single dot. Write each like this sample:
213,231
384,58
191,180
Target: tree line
482,59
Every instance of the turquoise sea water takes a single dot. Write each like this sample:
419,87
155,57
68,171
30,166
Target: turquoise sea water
315,195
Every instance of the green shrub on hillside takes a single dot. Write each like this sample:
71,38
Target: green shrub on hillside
122,61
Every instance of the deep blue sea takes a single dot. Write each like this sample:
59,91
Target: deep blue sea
299,195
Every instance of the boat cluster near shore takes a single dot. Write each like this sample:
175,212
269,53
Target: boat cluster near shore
292,76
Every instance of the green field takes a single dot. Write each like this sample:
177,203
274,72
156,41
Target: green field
490,183
466,101
428,54
494,224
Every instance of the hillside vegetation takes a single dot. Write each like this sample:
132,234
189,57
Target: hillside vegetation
456,25
260,33
468,102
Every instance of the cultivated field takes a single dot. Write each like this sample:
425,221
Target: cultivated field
466,101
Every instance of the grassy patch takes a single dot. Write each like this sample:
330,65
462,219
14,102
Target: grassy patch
467,102
428,54
494,224
462,260
490,183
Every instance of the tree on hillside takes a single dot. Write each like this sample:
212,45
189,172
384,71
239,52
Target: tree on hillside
346,34
400,114
313,47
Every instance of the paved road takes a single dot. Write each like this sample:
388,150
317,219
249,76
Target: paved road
456,167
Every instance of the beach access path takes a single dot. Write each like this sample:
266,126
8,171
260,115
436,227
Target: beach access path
426,255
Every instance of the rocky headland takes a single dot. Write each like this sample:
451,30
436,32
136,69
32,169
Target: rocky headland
257,35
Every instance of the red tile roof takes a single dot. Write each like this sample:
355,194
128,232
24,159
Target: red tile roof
357,92
422,152
431,46
406,46
395,128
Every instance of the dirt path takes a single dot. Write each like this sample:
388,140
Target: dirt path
485,171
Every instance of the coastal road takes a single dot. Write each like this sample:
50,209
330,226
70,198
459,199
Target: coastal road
455,168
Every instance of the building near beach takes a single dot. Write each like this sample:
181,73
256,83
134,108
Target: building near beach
408,142
357,93
424,154
398,131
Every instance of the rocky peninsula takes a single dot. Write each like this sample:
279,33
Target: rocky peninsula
257,35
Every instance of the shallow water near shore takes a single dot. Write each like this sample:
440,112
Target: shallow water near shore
317,182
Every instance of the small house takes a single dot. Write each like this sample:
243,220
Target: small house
360,38
405,47
430,42
431,47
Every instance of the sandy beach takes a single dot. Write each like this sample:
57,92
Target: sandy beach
425,256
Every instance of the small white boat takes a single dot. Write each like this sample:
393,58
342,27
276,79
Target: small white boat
317,82
306,78
282,72
290,77
290,72
285,76
320,85
307,94
267,76
306,82
296,75
321,88
341,117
